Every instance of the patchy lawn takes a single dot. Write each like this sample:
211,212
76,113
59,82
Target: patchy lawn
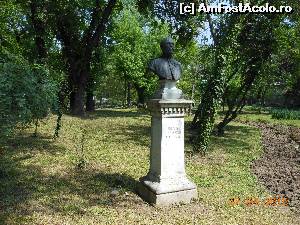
89,174
263,115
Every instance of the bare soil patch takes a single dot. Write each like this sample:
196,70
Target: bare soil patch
279,167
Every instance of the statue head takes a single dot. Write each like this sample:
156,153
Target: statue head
167,47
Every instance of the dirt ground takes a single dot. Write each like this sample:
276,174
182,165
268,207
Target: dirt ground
279,167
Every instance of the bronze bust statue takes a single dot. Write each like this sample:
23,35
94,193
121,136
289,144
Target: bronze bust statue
168,70
165,67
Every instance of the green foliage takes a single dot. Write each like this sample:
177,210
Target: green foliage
58,124
192,60
134,42
281,73
244,62
214,87
26,92
185,27
285,114
205,116
251,50
11,24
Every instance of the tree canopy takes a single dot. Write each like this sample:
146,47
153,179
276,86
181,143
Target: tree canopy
73,54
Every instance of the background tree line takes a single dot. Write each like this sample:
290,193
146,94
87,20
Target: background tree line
62,55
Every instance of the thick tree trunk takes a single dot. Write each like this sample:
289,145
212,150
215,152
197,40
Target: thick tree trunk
90,103
78,50
78,87
141,96
77,97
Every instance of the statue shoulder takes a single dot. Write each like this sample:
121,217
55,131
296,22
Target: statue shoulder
176,63
153,62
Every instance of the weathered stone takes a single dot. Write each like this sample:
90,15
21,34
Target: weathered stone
168,90
166,182
165,199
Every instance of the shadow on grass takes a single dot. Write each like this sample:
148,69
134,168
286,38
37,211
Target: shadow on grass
27,143
116,113
18,181
82,190
137,134
26,187
234,138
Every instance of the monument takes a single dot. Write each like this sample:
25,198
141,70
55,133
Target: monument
166,182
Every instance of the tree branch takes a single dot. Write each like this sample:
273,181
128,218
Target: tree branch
103,22
39,30
211,25
94,20
96,31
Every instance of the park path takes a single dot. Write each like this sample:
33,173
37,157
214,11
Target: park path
278,169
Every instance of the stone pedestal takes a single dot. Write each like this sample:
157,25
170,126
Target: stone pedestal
166,182
168,90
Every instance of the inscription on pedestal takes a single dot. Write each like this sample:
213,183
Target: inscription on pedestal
174,132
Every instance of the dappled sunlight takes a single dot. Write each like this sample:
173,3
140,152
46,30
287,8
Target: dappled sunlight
41,181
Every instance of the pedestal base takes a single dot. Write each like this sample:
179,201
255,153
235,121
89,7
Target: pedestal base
184,196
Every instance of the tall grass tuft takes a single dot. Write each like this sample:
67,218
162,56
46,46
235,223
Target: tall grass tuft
286,114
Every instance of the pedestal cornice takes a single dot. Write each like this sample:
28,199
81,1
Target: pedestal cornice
176,107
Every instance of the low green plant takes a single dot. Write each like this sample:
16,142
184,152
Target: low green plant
286,114
58,125
80,150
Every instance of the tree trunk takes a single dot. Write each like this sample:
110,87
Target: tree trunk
128,94
193,91
39,32
141,96
78,84
78,49
90,103
220,128
77,104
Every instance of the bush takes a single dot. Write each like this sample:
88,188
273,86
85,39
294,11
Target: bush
26,92
285,114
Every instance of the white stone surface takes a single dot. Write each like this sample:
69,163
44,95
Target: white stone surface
167,168
169,198
168,90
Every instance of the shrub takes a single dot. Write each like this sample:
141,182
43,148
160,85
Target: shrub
26,92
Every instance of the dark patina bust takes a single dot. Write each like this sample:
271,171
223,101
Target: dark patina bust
165,67
168,70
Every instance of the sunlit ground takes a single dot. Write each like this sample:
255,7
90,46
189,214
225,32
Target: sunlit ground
70,180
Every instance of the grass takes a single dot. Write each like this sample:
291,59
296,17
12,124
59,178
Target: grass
286,114
40,182
264,115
